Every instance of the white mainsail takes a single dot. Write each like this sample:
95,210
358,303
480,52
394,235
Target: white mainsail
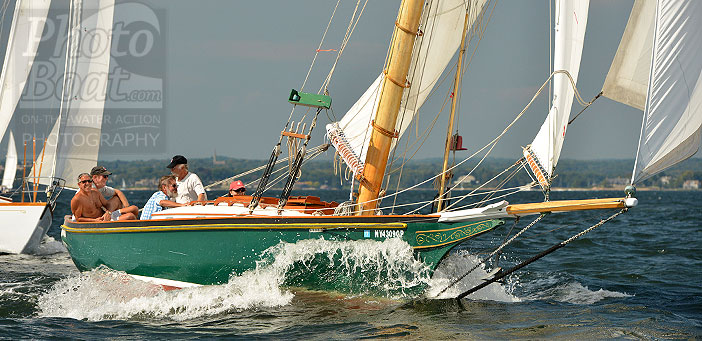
10,162
627,79
544,151
672,124
442,33
74,142
25,33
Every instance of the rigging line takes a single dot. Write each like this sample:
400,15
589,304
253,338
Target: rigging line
587,106
454,282
279,178
311,151
502,183
518,189
503,274
349,31
429,129
493,142
321,42
425,134
5,5
514,191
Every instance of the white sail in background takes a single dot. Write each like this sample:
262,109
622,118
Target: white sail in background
25,33
76,134
627,79
571,21
10,162
672,123
442,33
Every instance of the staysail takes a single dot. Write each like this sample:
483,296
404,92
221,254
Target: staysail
442,33
543,153
10,162
672,123
25,33
74,142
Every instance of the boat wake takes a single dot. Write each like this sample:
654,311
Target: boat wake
386,269
104,294
575,293
458,263
49,246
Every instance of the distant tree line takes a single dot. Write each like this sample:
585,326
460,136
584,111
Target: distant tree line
321,173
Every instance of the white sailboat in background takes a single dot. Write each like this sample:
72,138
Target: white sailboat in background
8,177
23,224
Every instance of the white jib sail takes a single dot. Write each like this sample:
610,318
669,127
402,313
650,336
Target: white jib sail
571,21
627,79
672,122
10,162
442,27
25,33
76,134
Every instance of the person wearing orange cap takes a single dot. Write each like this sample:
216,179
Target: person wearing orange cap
236,188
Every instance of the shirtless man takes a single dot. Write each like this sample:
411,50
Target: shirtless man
88,204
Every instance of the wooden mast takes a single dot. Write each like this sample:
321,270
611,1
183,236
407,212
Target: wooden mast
454,99
396,72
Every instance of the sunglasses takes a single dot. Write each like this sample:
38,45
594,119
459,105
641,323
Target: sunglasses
238,190
85,181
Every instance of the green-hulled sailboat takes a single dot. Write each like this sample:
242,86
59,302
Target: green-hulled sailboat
207,242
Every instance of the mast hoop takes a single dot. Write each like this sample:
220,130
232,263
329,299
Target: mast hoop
384,131
406,85
418,33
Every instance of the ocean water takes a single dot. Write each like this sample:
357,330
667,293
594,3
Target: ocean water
636,277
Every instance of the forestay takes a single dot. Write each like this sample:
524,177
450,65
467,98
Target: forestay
442,33
672,121
83,102
571,21
25,33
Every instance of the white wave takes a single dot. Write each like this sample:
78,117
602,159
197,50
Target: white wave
576,293
49,246
457,264
103,294
100,294
386,268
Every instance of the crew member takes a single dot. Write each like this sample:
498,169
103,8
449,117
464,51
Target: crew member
161,198
189,185
89,205
116,200
236,188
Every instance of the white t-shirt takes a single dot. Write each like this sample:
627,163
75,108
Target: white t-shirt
107,192
189,188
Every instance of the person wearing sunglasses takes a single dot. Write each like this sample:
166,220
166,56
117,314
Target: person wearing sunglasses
236,188
89,205
161,198
116,200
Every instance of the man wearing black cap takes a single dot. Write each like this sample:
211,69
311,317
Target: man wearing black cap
189,185
116,200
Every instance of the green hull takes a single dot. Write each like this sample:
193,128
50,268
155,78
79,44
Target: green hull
209,250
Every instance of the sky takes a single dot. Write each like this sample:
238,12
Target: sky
228,66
